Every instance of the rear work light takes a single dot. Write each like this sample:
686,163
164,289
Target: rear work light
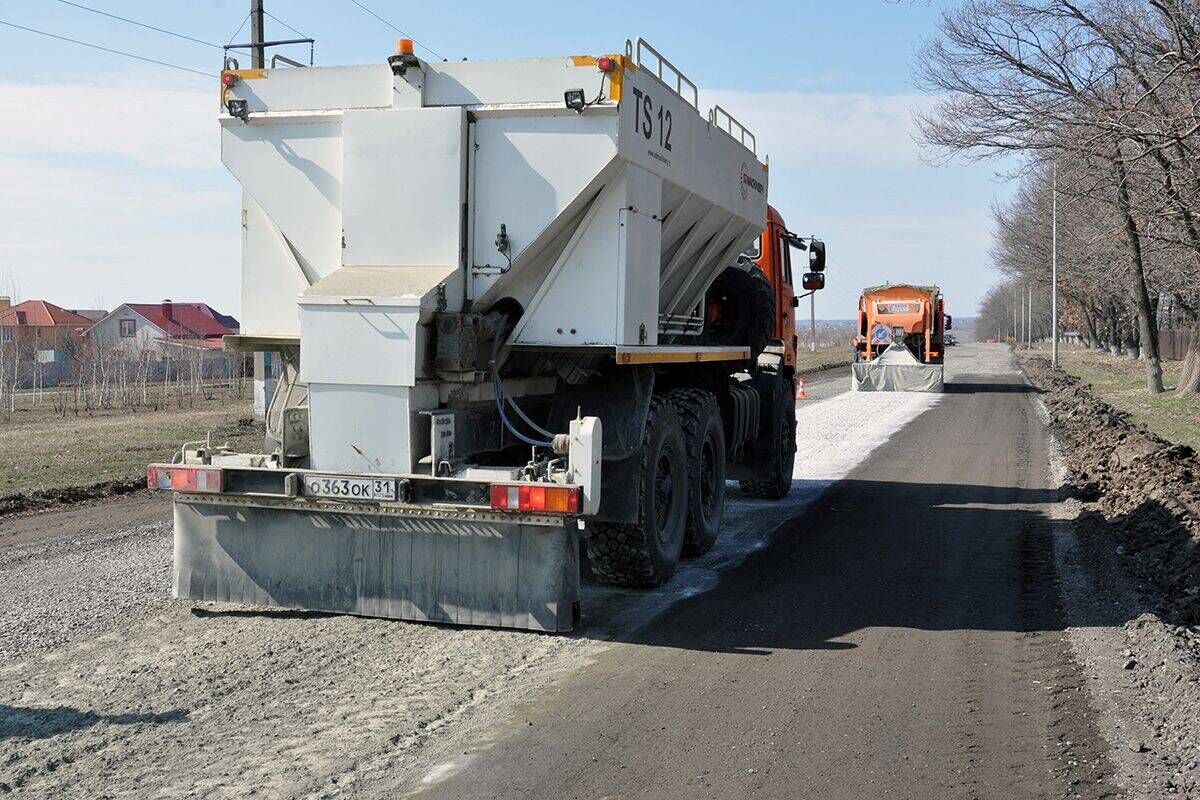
184,479
535,497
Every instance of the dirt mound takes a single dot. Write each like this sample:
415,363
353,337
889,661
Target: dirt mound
1141,513
23,502
1136,486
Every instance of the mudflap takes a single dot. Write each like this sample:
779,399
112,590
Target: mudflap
872,377
464,572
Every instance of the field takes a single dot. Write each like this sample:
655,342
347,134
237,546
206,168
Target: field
1121,382
39,449
808,361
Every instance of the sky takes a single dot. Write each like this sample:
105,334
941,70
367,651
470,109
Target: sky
113,190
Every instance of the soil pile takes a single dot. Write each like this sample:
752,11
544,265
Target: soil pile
1141,510
1135,486
42,499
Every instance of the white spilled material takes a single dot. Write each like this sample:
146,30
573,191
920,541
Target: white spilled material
835,435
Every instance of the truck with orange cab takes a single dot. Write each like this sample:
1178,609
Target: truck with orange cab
900,341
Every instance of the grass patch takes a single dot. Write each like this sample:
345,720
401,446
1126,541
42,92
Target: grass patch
1121,382
808,361
41,450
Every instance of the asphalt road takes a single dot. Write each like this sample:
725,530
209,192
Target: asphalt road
902,638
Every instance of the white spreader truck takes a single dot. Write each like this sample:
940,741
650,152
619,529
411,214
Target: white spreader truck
522,311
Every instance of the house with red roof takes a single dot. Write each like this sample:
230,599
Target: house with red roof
38,330
166,328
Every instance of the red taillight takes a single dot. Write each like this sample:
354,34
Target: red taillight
185,479
606,63
535,497
228,79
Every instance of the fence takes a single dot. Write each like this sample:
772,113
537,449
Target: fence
93,379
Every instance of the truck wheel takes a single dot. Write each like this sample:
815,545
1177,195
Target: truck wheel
782,453
645,553
741,309
704,433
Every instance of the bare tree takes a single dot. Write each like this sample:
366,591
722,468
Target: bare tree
1105,90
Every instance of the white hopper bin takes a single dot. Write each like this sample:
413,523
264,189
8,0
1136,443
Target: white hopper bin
618,218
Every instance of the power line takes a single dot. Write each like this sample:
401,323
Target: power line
140,24
239,29
397,30
281,22
107,49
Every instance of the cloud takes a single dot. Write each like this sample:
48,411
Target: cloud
820,129
149,124
116,191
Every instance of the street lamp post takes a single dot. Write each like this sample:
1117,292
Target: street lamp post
1054,266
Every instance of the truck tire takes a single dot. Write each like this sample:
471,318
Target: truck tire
704,434
645,553
744,306
781,455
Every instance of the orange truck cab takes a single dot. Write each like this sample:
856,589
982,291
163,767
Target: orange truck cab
773,255
904,314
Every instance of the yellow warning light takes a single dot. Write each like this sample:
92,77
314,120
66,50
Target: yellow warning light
404,47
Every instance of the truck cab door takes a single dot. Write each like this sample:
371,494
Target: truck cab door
785,299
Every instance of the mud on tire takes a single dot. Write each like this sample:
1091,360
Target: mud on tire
645,553
704,434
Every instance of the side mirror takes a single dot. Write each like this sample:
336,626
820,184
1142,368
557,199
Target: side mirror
813,281
949,321
816,256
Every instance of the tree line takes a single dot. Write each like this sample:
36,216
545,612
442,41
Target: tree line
1098,100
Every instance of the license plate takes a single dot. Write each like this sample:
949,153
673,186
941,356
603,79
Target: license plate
340,488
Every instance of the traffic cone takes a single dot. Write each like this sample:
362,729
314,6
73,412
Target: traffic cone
801,394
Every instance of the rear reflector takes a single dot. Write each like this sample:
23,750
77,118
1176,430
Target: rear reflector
535,497
184,479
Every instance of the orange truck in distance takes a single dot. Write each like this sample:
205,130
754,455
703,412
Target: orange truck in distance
900,341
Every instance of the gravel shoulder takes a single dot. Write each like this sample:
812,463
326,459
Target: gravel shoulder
1127,536
111,688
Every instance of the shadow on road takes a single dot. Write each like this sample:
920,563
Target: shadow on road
881,554
260,613
989,388
26,722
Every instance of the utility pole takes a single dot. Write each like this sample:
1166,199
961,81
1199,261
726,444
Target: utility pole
1054,266
1029,319
812,318
1024,316
258,53
1014,308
